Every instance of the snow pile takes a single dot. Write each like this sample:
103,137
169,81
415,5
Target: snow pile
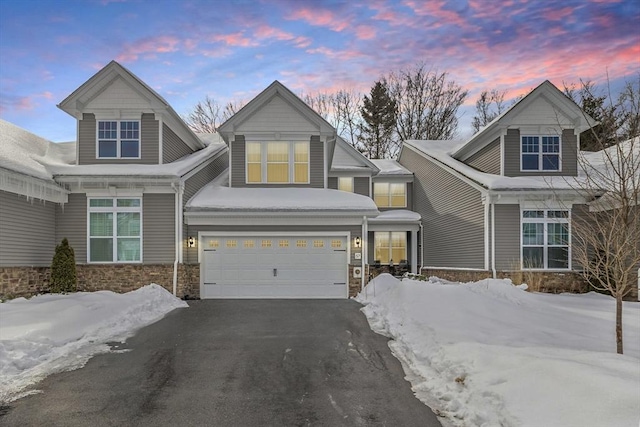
487,353
54,333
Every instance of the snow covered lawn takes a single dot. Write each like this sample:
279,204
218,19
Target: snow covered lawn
54,333
491,354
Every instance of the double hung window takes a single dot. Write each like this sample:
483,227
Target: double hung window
118,139
540,153
545,239
277,162
390,245
390,194
345,183
115,230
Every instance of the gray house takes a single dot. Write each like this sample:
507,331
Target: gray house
275,205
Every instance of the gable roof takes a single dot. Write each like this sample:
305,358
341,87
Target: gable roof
76,102
547,90
347,158
390,168
275,89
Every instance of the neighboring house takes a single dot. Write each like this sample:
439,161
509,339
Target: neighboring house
503,200
284,208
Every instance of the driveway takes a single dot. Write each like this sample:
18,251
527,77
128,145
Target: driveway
236,363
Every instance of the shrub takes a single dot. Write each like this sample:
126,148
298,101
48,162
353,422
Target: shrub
63,269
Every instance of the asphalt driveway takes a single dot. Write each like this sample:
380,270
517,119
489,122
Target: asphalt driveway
236,363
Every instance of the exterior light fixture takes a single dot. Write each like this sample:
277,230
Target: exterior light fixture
357,242
191,242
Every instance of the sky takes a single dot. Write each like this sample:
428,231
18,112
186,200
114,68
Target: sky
231,50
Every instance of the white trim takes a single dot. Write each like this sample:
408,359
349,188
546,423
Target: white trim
493,241
388,182
540,153
486,201
325,162
202,165
545,246
502,135
264,163
115,192
364,250
231,142
118,139
180,221
177,237
78,140
160,141
390,247
31,187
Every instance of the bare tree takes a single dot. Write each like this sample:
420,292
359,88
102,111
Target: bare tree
427,103
490,104
341,110
207,115
606,236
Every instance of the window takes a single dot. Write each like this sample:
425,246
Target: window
540,153
390,246
118,139
232,243
266,243
115,230
318,243
345,184
336,244
301,244
390,195
283,243
545,239
277,162
214,243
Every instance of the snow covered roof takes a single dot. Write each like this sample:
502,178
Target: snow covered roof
390,167
210,138
177,168
214,197
347,158
397,215
26,153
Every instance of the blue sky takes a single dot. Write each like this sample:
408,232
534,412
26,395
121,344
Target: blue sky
231,50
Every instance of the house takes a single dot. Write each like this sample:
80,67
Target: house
275,205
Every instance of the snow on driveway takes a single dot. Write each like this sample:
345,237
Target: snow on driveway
54,333
489,353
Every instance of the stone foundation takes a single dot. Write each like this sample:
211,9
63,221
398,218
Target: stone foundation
29,281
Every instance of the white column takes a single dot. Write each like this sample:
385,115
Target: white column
414,251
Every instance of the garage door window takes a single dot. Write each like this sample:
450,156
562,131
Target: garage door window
301,244
249,244
266,243
283,243
318,243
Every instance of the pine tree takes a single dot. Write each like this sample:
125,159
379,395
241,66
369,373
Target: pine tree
63,269
379,114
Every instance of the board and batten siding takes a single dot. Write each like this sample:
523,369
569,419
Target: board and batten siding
204,176
158,228
316,165
71,222
27,231
190,255
149,142
452,215
173,148
568,159
487,159
507,235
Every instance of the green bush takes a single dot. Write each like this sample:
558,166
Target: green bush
63,269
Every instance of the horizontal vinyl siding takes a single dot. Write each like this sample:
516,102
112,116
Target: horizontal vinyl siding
27,231
452,215
173,147
332,182
569,155
488,159
204,176
316,165
507,235
158,228
191,254
149,140
71,222
361,185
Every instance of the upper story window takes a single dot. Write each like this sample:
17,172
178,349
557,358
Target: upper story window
345,183
540,153
115,230
118,139
390,194
277,162
545,239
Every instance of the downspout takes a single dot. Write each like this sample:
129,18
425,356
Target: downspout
421,248
365,245
178,240
486,199
493,238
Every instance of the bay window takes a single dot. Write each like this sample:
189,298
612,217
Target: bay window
390,194
545,239
118,139
114,230
277,162
390,245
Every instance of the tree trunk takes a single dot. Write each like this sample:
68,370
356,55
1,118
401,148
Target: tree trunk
619,322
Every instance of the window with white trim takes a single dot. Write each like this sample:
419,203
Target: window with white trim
390,245
390,194
546,239
345,183
540,153
115,230
277,162
118,139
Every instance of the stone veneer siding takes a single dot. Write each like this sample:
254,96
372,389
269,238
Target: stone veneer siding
29,281
356,284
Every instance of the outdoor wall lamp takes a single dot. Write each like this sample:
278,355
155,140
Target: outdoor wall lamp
357,242
191,242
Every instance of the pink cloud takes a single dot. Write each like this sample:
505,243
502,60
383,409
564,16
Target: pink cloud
558,14
435,9
233,39
268,32
365,32
320,18
148,47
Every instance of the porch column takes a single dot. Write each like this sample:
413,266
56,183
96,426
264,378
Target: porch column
414,251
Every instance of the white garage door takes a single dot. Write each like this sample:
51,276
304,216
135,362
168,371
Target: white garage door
277,266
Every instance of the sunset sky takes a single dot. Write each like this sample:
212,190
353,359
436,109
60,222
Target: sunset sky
231,50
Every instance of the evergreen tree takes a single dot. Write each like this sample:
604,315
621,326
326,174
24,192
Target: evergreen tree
63,269
379,114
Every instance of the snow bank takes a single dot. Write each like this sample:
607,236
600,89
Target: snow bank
487,353
54,333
